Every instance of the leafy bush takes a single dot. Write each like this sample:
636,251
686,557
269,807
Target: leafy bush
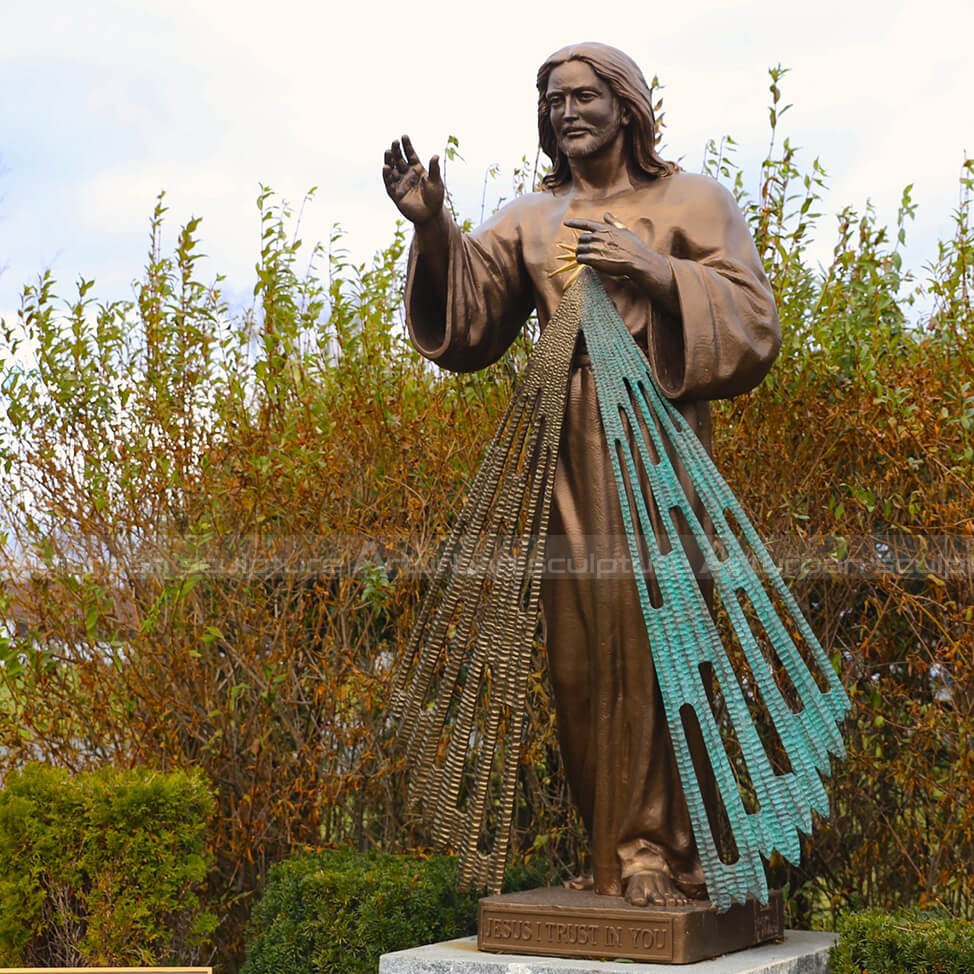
336,912
103,868
905,942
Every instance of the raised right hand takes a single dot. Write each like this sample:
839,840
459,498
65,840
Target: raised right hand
418,194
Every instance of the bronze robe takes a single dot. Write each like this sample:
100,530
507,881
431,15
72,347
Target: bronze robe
611,724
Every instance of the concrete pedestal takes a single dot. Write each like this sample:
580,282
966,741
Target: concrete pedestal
801,952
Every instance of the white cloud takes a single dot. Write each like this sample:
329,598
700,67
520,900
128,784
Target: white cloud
116,100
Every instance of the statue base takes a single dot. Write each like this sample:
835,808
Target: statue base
801,952
557,922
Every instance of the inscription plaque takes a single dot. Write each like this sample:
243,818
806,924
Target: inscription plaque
560,922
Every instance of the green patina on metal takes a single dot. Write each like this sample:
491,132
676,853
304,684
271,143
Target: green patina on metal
683,635
460,693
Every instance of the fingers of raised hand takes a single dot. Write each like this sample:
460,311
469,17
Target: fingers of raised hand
392,156
396,157
412,158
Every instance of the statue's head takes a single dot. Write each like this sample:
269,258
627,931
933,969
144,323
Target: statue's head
627,83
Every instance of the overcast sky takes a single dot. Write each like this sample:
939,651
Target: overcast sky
105,102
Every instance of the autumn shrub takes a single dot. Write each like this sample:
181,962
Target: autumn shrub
217,526
103,868
856,460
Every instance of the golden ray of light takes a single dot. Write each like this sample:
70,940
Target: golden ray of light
569,259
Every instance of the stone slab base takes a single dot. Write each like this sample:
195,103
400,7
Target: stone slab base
801,952
559,922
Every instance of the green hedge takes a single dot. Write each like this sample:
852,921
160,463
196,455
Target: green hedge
102,868
334,911
906,942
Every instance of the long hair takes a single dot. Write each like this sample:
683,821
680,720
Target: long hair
627,83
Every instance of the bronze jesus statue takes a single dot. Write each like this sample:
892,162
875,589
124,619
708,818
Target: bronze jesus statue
674,254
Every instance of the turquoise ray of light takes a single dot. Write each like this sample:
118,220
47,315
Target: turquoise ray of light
682,632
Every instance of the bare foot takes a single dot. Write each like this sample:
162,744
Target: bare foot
580,882
653,888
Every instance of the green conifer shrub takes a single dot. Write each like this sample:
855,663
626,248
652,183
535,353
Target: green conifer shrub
904,942
336,910
102,868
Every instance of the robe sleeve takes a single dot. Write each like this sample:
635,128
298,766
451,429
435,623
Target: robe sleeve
727,334
489,296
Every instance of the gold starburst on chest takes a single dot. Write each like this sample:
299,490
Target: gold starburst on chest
569,259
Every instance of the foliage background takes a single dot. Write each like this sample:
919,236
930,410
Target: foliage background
216,526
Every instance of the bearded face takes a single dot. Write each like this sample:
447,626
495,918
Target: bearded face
585,115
